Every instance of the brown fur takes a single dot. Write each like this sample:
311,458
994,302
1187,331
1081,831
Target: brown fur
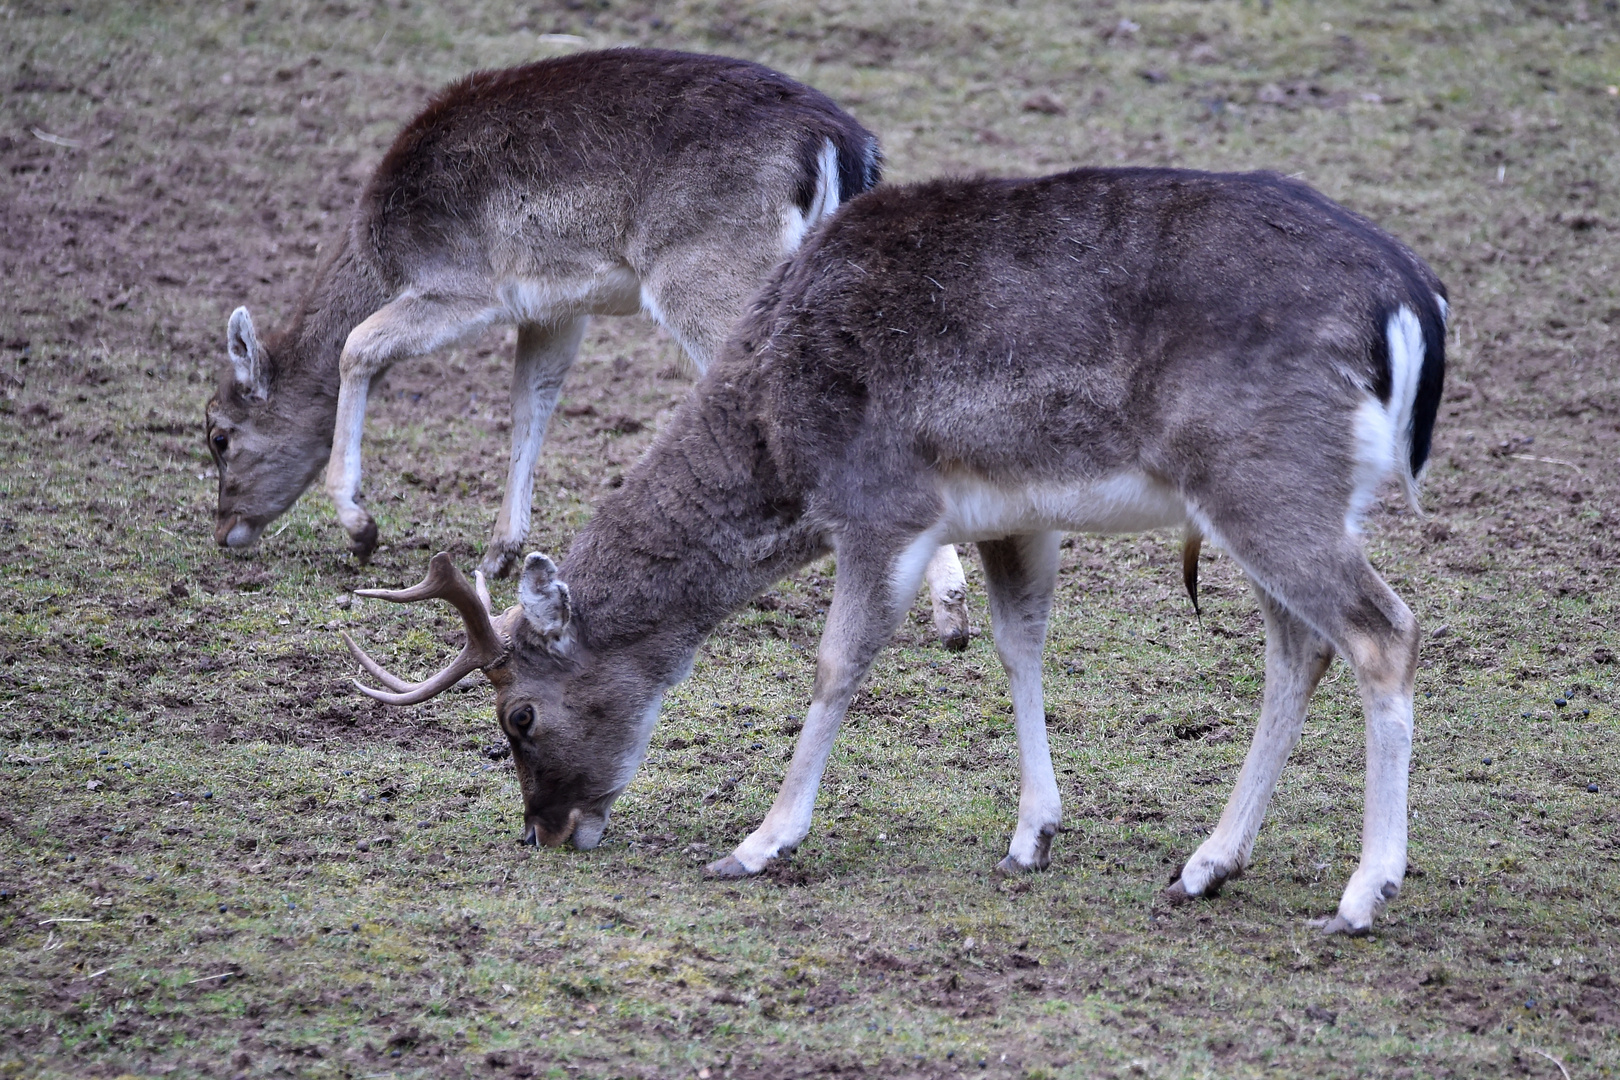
1214,335
674,166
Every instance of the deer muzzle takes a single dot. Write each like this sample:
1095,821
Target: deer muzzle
233,532
536,834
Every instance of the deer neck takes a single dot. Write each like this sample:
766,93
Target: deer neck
702,524
343,293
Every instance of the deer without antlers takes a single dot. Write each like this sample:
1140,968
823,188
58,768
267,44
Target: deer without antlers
603,183
998,361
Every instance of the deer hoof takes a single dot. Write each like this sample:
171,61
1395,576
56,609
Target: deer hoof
1214,879
951,624
1039,854
728,867
499,560
364,542
1011,867
1341,925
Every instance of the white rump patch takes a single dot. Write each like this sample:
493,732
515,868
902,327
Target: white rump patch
1374,457
794,226
822,204
828,196
1383,433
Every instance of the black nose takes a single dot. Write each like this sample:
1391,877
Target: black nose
530,837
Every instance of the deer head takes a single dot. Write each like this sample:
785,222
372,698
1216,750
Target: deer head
561,707
267,447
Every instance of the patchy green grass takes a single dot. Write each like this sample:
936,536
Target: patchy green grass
218,860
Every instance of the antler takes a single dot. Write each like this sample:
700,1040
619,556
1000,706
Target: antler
484,645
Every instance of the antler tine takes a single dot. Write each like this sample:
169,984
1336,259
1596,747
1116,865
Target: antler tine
484,645
373,668
415,694
483,591
441,578
445,582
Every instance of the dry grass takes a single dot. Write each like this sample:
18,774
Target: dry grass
190,782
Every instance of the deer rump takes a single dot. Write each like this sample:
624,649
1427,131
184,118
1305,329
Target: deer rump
999,361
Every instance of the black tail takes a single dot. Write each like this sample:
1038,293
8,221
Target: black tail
860,163
1432,379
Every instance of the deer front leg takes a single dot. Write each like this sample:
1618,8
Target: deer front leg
1020,573
409,326
947,588
1296,658
873,591
544,355
343,468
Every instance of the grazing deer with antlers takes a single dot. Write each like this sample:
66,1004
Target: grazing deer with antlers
598,184
999,361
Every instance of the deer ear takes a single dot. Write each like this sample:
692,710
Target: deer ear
247,355
544,599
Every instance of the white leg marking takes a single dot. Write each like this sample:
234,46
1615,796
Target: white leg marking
544,355
947,588
1296,658
343,468
788,822
406,326
855,621
1383,836
1018,615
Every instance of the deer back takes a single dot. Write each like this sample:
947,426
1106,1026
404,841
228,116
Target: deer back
616,154
1077,325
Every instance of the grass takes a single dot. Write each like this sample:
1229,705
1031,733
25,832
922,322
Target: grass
217,860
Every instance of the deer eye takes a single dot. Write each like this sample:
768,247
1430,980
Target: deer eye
220,441
520,719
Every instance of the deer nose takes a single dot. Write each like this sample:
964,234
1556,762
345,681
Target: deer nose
233,532
536,834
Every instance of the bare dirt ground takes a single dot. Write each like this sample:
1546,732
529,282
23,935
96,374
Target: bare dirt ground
218,860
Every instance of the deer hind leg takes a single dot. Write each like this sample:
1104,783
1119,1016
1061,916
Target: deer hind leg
1379,636
1325,582
947,588
1296,658
1351,606
875,584
1020,573
544,355
409,326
